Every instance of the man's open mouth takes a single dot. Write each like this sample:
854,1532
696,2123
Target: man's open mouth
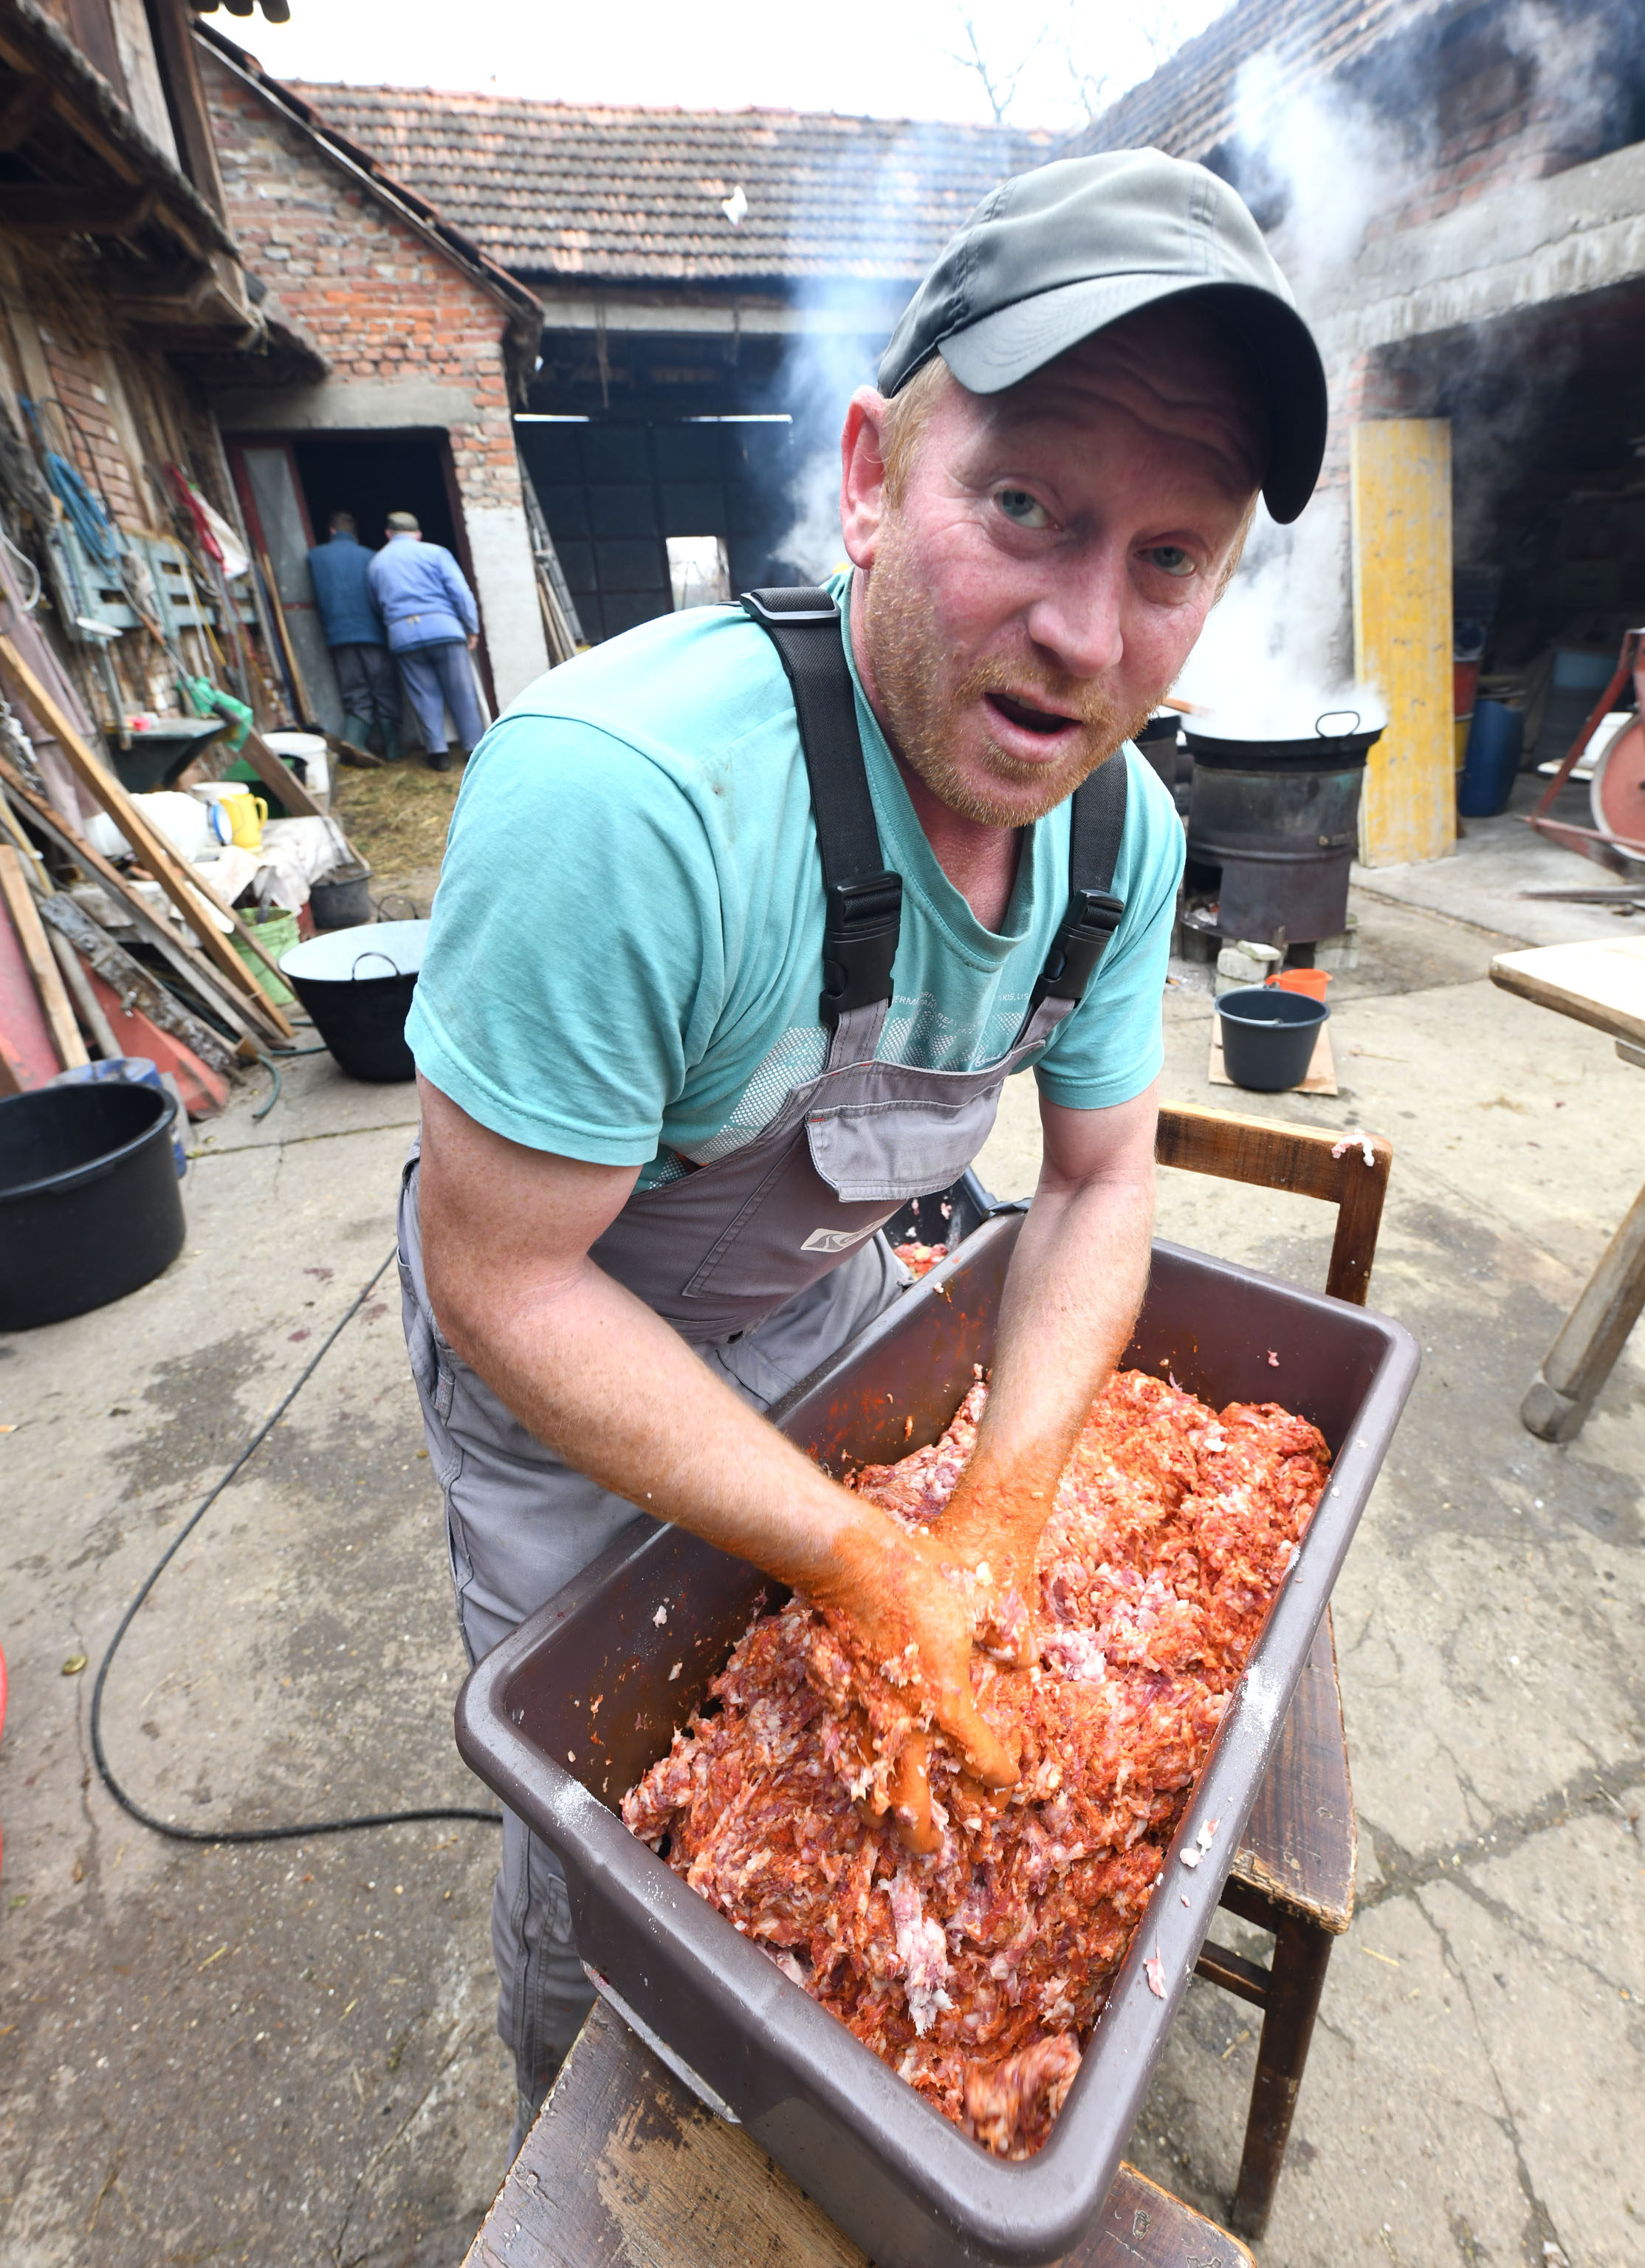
1027,717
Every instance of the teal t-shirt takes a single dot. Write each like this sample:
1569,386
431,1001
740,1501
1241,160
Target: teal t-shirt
626,954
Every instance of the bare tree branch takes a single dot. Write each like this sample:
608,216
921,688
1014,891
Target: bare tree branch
999,86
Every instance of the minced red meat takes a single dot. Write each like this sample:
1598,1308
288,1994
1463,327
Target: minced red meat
976,1973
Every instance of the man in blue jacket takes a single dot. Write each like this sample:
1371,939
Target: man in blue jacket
433,626
339,570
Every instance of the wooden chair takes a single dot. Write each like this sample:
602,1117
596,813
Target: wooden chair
624,2167
1294,1873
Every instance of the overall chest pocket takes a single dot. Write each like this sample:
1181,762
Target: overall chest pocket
869,1151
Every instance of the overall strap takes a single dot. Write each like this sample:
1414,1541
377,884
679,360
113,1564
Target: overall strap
865,902
1096,827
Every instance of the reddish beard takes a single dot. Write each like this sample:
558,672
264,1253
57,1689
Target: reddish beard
924,705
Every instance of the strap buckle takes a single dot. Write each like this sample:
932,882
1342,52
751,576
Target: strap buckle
860,931
1092,918
755,602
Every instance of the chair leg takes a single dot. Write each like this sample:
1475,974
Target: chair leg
1301,1952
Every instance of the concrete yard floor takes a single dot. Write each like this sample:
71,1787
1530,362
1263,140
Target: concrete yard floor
283,2053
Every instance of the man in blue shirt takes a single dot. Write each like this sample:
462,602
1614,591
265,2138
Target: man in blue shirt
654,1157
433,627
340,570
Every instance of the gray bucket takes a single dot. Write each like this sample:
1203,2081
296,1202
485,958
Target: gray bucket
1268,1036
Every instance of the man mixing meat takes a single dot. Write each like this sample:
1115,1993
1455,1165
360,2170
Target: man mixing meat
746,915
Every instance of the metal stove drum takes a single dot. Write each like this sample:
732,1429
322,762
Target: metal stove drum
1281,819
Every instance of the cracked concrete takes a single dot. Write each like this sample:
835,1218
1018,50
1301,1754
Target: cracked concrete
284,2052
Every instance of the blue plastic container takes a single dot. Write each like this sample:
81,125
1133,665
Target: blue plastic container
1496,738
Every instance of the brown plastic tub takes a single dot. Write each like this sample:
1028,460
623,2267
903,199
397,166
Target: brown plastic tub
912,2190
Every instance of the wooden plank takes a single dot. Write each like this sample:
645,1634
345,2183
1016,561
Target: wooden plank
42,965
1301,1842
1399,484
1274,1155
190,895
624,2168
1596,981
279,778
87,1006
28,1057
182,957
135,987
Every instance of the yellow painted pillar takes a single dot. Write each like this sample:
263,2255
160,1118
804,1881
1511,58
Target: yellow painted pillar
1399,474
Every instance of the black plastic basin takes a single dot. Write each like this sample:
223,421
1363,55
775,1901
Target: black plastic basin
357,984
89,1205
1268,1036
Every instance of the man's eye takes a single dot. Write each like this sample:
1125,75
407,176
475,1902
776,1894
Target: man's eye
1171,559
1027,510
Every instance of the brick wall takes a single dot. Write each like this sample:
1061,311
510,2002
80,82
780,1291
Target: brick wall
86,433
377,299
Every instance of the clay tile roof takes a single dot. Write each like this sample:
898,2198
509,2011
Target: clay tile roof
1188,106
552,191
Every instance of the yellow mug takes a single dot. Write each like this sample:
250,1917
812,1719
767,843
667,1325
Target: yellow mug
247,814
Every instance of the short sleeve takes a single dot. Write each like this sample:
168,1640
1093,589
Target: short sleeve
1113,1047
577,961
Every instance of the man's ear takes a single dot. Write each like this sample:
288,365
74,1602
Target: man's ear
863,475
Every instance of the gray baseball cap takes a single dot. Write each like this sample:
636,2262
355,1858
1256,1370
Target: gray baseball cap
1051,257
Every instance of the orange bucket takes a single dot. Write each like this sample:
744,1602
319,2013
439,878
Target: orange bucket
1311,981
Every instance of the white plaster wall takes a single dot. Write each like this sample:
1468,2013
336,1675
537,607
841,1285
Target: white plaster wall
506,578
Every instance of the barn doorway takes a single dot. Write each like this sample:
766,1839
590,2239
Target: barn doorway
290,484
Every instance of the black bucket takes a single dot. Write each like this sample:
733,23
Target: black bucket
342,899
90,1206
357,984
1268,1036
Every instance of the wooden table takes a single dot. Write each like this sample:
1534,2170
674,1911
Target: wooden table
624,2165
1601,984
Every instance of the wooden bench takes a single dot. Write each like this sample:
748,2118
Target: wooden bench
624,2167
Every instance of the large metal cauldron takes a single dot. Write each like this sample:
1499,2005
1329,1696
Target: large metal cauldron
1281,818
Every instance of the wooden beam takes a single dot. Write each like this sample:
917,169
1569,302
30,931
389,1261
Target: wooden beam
172,27
194,898
1308,1162
243,1017
132,984
280,779
42,965
1399,475
32,209
25,109
181,282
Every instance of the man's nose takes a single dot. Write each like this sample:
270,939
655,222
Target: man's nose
1077,621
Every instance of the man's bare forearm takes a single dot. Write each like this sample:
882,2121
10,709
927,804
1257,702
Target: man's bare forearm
606,1384
1076,1283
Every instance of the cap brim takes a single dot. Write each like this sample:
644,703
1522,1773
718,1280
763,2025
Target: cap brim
1282,361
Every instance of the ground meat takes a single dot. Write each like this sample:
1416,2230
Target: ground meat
977,1972
921,1259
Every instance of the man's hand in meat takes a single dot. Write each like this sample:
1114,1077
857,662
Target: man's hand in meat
909,1623
1076,1282
615,1391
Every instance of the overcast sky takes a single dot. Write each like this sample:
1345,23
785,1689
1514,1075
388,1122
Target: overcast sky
665,52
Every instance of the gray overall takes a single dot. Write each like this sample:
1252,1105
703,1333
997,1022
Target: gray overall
765,1262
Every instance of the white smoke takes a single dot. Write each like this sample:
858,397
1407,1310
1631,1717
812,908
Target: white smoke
1269,661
